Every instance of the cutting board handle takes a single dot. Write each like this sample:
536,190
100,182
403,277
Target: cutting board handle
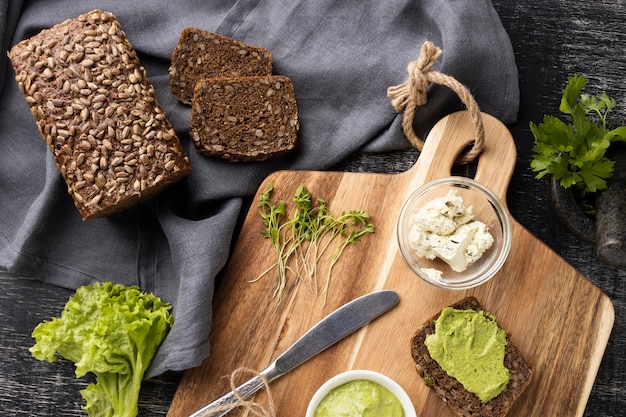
451,136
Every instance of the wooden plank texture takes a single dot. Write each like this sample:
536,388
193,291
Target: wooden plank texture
560,321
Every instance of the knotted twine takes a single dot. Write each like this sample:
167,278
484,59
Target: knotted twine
412,94
253,408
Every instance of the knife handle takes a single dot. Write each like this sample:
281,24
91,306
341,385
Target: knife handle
220,407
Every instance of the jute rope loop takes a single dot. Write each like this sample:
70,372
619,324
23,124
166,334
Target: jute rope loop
412,94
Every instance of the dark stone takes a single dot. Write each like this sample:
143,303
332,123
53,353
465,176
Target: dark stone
611,215
570,214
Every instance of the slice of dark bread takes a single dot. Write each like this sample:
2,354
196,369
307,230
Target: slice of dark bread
244,119
202,54
461,401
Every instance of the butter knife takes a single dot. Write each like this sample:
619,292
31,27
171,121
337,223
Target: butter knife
328,331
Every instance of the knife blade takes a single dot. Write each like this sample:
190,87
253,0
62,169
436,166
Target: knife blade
331,329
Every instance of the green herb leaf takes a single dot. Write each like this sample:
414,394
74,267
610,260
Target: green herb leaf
594,173
573,150
571,94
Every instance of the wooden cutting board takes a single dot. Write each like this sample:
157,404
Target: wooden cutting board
560,321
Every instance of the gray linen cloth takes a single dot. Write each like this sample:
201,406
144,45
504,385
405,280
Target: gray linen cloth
341,56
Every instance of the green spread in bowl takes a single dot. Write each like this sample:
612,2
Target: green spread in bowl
360,398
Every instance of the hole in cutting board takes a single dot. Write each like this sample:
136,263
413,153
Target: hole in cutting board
466,170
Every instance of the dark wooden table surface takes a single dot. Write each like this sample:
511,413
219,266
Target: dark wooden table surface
552,39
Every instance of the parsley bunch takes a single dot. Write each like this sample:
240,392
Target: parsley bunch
573,151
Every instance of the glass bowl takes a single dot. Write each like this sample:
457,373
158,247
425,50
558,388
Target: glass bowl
487,208
353,375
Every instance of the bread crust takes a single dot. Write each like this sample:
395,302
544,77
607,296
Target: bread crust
202,54
461,401
98,113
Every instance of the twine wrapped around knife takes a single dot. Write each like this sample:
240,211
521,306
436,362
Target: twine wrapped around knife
253,408
412,94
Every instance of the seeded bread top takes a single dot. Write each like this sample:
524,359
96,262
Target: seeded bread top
202,54
98,113
461,401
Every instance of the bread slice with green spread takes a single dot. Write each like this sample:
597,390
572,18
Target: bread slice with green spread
454,393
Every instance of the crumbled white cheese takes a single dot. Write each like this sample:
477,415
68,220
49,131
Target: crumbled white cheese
445,228
433,273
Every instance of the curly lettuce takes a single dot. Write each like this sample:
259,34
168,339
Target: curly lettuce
112,331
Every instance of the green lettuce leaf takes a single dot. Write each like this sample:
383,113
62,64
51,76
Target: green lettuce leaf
112,331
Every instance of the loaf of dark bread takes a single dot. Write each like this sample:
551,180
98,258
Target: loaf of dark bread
461,401
98,113
201,54
244,119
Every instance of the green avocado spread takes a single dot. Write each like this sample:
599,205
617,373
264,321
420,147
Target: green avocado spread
359,398
469,346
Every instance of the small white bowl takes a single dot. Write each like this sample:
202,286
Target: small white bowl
345,377
488,209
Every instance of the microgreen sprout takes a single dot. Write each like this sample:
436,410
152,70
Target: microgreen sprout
303,238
